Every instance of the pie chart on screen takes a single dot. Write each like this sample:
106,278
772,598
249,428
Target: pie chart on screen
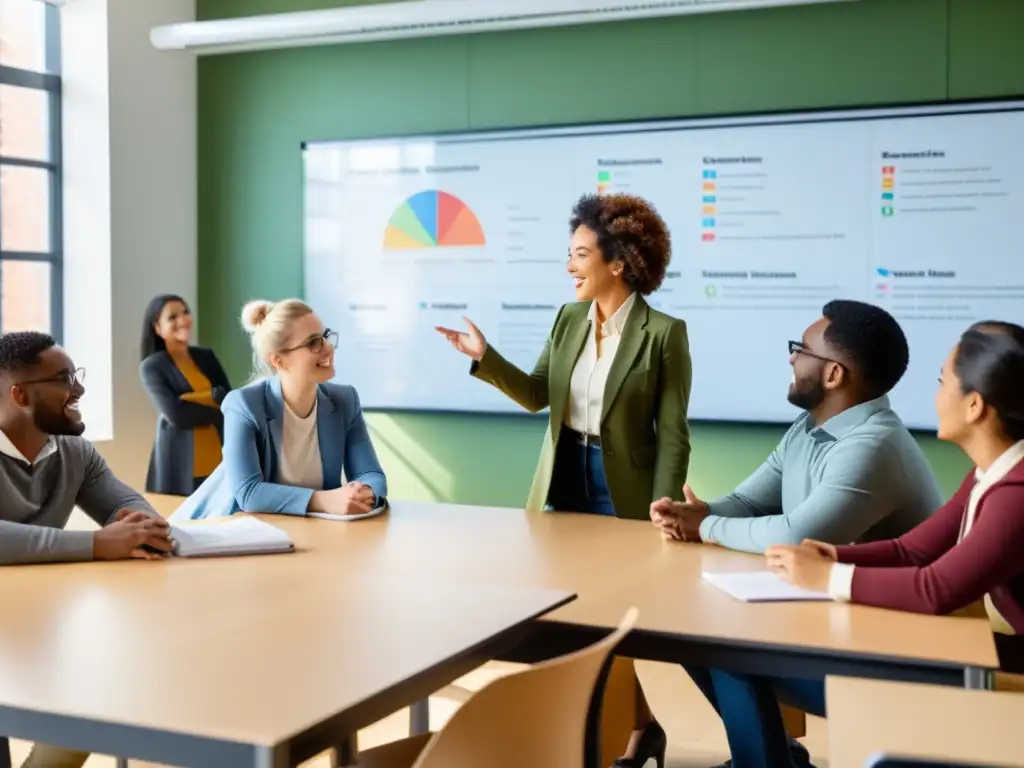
433,219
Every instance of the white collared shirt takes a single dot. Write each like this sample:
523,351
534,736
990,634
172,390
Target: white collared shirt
840,583
9,449
589,377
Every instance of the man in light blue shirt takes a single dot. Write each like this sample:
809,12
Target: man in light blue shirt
847,470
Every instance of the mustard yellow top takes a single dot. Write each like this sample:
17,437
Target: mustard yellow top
206,447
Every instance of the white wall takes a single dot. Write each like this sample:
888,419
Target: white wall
129,203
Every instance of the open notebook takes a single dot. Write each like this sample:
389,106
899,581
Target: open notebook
760,587
233,536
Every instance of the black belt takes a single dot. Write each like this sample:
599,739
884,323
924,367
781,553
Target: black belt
582,438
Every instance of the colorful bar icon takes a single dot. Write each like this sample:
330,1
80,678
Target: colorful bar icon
707,237
709,186
604,175
710,174
710,209
708,199
888,170
887,183
887,210
887,195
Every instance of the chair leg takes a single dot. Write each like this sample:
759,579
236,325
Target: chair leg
5,753
795,721
419,717
345,753
618,708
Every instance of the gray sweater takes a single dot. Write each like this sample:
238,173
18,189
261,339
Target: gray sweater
37,499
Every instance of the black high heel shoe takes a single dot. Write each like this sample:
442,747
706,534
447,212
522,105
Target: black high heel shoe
652,746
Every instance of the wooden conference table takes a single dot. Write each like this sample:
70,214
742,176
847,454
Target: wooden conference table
613,564
267,660
260,662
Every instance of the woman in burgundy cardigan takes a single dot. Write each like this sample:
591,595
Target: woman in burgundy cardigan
969,550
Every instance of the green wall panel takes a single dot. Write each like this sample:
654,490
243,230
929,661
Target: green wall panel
986,48
256,108
226,9
583,74
866,52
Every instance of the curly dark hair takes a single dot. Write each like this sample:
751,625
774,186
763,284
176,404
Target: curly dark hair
21,349
629,229
871,339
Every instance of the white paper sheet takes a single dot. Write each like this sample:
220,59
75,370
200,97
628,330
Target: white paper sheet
761,587
347,518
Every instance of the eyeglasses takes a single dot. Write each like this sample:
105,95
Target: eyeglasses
67,378
799,348
316,344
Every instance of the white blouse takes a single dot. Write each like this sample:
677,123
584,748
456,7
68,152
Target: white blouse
589,377
300,451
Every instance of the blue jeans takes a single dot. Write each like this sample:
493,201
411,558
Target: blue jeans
578,483
749,708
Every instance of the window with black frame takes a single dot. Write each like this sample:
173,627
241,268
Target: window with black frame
31,289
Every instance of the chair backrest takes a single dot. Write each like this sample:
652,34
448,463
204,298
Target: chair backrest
534,717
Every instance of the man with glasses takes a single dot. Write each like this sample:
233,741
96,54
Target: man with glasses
847,470
47,468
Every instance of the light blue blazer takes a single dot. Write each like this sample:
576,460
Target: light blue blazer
246,479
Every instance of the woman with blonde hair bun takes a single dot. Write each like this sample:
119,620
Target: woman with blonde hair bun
294,441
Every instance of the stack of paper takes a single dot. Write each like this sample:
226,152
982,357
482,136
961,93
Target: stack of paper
234,536
761,587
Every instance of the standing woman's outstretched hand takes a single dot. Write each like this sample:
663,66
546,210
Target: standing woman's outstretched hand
470,343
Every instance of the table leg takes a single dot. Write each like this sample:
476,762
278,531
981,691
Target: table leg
345,753
419,717
5,753
121,762
977,678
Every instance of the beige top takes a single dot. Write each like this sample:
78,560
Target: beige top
301,466
589,377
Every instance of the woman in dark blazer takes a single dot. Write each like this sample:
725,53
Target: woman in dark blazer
615,374
186,384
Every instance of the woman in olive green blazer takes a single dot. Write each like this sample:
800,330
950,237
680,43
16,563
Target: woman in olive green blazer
633,434
616,376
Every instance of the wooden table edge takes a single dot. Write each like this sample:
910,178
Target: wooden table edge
552,637
162,745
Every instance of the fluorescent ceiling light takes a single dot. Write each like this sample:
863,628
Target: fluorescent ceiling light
425,18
